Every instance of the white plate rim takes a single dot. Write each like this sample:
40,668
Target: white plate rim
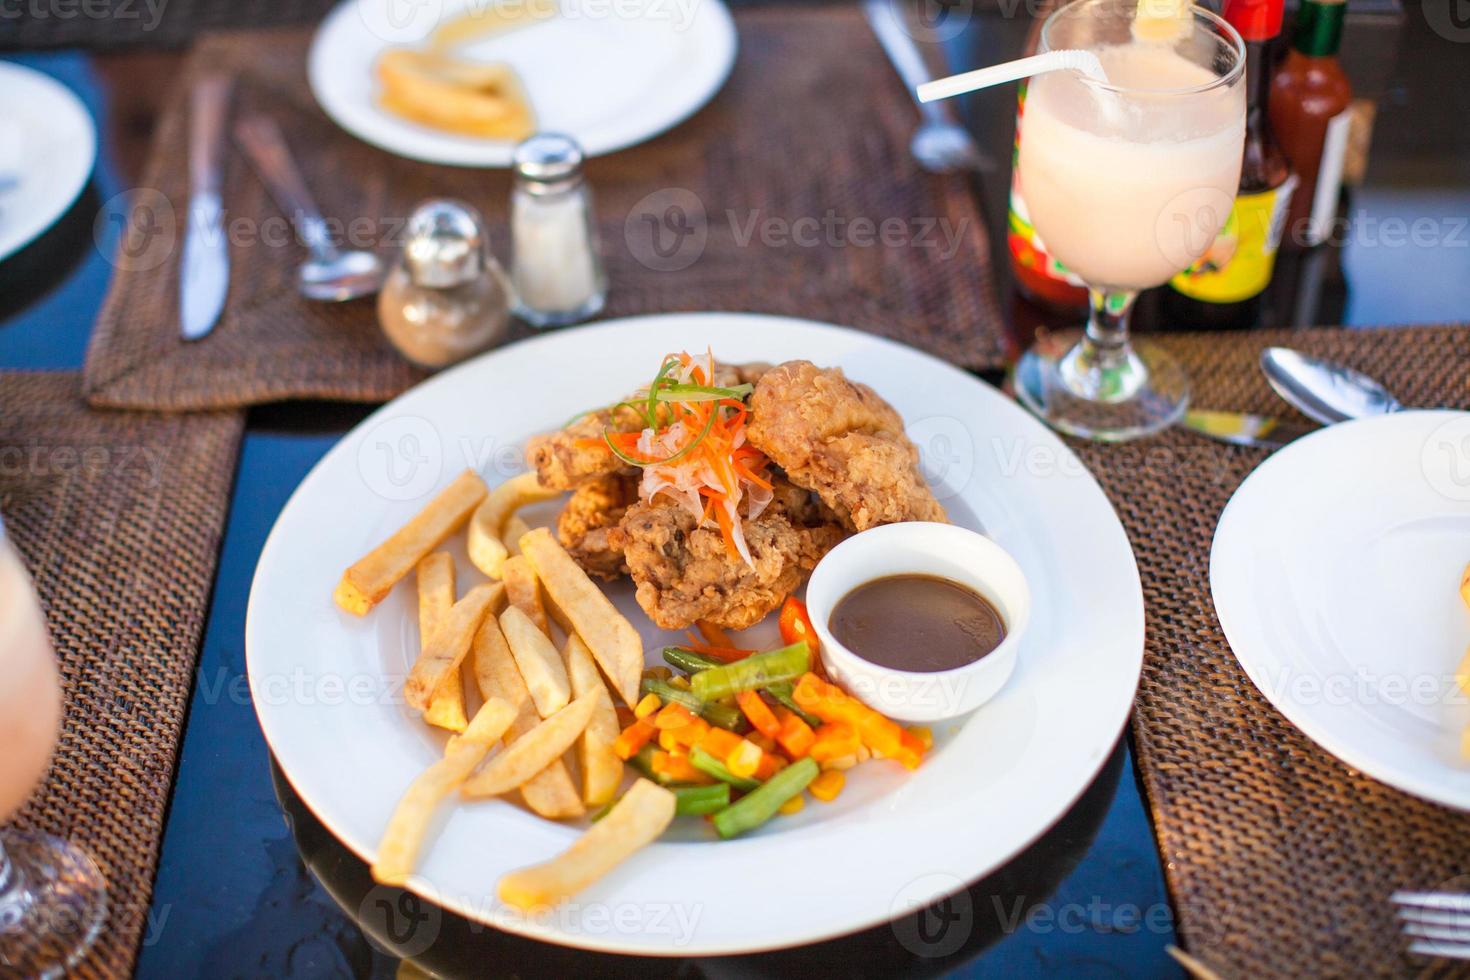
74,172
498,154
1058,805
1232,624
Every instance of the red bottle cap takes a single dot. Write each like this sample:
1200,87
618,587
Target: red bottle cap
1256,20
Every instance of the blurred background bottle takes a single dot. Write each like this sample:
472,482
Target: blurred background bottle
1224,288
1310,114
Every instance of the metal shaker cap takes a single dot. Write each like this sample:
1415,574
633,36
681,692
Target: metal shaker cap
446,244
548,161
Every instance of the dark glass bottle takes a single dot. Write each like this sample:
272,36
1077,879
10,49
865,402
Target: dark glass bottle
1224,289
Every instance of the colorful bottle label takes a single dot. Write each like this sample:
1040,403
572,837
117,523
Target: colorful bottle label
1238,264
1026,246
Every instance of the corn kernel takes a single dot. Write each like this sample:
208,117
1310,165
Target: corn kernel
826,786
668,739
863,754
924,734
744,759
840,763
647,706
793,805
681,682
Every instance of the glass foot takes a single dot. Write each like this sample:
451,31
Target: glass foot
52,906
1111,398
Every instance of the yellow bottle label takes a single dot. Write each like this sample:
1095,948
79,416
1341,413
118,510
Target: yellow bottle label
1237,265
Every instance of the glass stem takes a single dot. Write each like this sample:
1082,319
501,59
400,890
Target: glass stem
1107,324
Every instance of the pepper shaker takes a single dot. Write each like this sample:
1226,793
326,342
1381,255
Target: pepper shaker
556,270
446,298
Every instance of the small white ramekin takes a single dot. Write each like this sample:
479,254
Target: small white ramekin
916,548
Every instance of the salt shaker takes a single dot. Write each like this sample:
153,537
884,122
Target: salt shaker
556,271
446,297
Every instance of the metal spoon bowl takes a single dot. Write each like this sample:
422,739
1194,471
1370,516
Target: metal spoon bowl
339,276
1321,390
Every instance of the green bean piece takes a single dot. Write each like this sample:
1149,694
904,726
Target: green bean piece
643,761
723,715
710,766
756,671
762,803
691,801
688,661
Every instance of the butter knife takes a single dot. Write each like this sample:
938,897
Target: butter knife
1241,429
205,276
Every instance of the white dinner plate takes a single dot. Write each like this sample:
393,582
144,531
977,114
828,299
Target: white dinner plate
610,73
327,684
48,143
1335,573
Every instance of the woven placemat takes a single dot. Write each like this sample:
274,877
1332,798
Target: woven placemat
1279,858
787,182
118,516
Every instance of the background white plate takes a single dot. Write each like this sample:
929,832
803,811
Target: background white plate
610,73
1335,572
995,781
47,139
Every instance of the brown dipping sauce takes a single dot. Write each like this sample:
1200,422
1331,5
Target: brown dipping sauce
919,623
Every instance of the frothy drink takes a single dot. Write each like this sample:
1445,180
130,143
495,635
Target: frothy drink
30,689
1128,188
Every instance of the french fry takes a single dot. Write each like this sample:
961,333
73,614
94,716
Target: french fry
540,664
523,590
515,527
370,579
1462,673
532,752
450,642
404,836
634,822
602,770
470,98
551,792
436,598
1465,585
489,20
608,634
486,547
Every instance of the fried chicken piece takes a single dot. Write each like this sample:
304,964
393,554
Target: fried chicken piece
566,457
587,522
841,440
683,573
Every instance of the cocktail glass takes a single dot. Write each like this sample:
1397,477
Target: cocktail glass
1128,181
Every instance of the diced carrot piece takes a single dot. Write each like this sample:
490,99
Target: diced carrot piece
676,767
687,736
793,805
647,706
796,735
744,759
771,763
714,635
668,739
910,750
720,742
834,739
827,785
673,715
924,735
762,718
633,738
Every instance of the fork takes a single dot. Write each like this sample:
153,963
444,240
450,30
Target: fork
1436,923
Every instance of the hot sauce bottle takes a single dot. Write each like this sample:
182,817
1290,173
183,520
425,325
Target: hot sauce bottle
1223,288
1310,95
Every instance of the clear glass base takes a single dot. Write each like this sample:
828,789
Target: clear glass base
545,319
53,903
1107,395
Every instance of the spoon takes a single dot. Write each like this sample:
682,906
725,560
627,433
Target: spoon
1321,390
327,274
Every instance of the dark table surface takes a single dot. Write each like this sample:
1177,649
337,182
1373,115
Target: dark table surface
249,884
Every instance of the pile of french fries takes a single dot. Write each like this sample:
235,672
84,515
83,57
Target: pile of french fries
545,711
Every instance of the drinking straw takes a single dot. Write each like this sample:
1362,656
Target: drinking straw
1013,71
